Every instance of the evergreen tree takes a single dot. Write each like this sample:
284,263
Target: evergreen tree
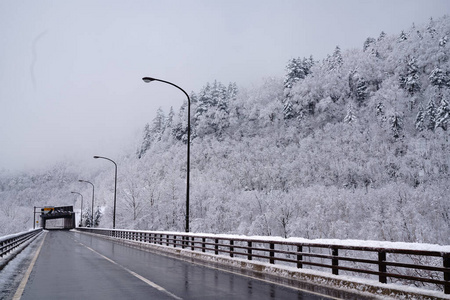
403,37
169,120
409,81
179,131
358,86
396,123
97,216
159,124
335,61
431,28
430,115
146,141
212,113
382,36
439,78
288,111
369,42
420,119
297,69
87,219
350,118
442,115
232,91
222,121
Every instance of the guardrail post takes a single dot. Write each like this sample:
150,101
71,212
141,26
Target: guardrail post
231,248
382,266
174,241
299,257
446,258
167,240
249,250
272,253
192,243
160,239
335,261
216,246
203,245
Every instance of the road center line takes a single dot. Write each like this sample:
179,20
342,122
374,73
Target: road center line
140,277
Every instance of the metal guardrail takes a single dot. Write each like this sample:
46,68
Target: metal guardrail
11,242
401,266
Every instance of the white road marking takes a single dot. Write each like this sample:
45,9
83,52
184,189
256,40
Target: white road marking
24,281
229,271
150,283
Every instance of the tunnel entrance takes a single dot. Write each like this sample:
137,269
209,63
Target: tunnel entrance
62,217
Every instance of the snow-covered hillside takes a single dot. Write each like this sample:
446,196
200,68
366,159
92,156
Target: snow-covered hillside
353,146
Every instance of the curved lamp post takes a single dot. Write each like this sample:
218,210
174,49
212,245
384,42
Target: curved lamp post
92,217
81,214
115,187
150,79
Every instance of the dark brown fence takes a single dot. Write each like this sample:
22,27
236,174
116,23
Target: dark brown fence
422,268
11,242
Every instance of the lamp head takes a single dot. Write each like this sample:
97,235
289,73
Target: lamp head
80,180
148,79
96,156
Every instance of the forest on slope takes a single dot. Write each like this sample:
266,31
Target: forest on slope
353,146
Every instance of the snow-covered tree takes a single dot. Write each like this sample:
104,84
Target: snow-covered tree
358,86
430,115
350,117
396,124
335,61
297,69
442,115
439,78
410,79
403,37
420,119
369,41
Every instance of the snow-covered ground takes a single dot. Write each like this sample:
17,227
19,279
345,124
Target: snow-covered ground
12,273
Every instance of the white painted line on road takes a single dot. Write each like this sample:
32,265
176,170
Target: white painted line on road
254,278
24,281
271,282
150,283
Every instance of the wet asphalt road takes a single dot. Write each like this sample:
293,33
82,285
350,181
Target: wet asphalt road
72,265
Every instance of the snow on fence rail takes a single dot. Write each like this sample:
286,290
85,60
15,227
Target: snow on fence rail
11,242
421,265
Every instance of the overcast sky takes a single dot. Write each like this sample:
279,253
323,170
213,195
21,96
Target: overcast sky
70,71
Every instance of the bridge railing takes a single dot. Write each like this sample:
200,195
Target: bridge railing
13,241
401,263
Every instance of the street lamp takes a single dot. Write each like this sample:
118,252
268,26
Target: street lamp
92,217
81,214
115,187
150,79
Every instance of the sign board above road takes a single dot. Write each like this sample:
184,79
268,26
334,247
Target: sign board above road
47,210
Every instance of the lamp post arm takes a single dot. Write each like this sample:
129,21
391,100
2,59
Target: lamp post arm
149,79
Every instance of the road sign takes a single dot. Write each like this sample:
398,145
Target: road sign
47,210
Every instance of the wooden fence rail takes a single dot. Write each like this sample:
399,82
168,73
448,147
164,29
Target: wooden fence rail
402,266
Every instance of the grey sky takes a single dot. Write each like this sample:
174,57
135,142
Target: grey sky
70,71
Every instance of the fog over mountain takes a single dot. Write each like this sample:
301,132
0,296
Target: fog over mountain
355,145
